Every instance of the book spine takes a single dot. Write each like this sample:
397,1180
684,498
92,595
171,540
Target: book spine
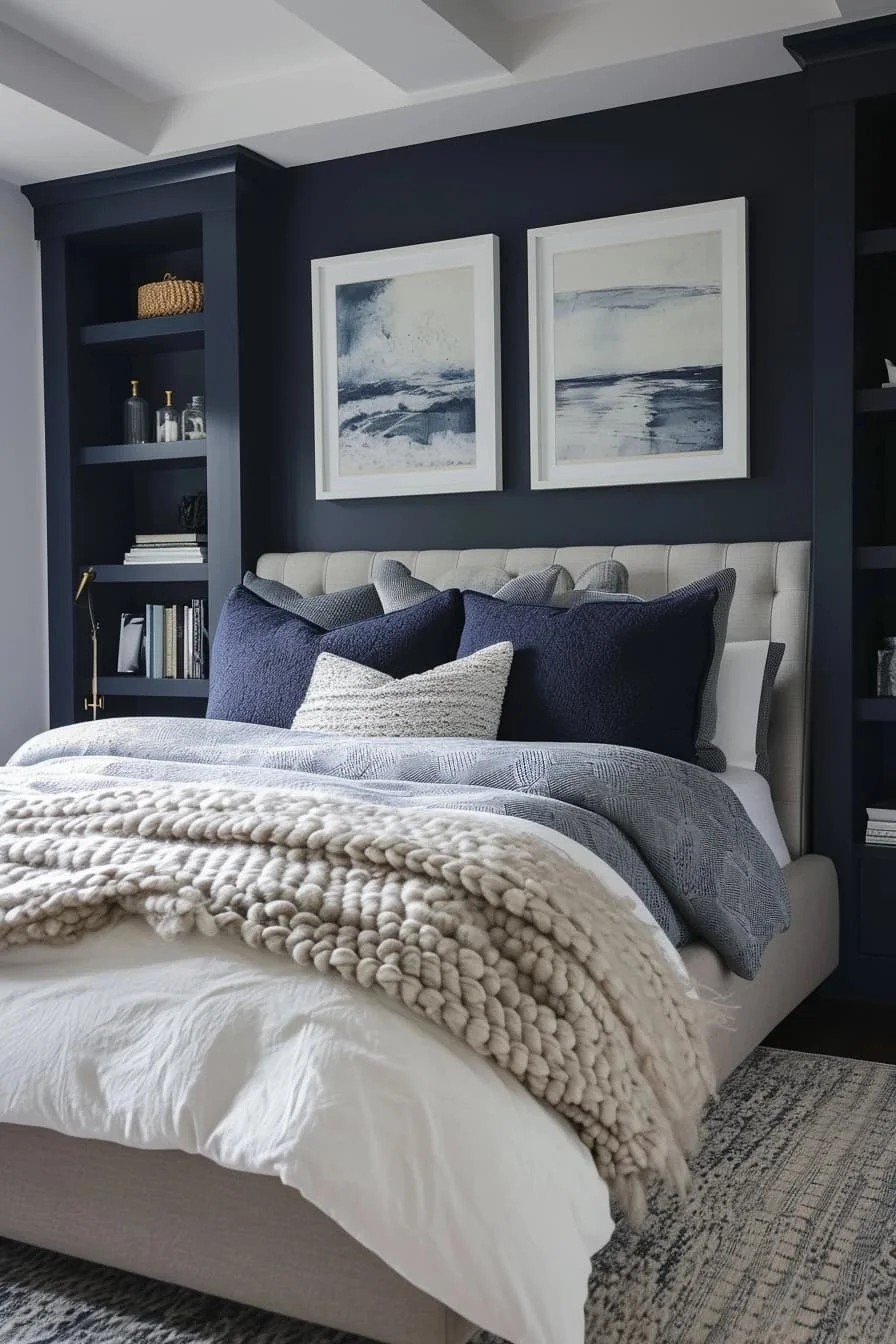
188,631
169,643
120,664
179,641
147,638
197,637
158,640
203,639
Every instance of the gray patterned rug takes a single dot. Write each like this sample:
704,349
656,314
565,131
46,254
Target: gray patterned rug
789,1235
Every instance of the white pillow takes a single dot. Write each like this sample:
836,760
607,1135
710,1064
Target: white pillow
459,699
744,701
756,799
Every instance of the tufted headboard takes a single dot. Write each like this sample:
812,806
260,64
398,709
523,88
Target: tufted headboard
771,601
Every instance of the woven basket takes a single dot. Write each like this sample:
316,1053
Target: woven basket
169,297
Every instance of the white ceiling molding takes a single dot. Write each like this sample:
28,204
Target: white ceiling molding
29,68
416,45
243,113
97,84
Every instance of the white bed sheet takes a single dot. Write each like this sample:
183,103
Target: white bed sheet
442,1165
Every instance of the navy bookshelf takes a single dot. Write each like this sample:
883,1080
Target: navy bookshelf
851,82
210,217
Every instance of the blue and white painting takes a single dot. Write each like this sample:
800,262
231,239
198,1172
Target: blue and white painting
638,349
406,377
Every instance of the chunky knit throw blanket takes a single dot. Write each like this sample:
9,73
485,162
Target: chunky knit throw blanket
481,926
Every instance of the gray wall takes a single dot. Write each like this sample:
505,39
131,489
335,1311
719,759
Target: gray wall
23,602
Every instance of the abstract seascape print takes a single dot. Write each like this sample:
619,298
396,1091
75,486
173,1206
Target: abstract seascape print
406,373
638,349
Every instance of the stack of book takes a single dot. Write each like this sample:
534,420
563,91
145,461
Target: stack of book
881,827
168,548
177,640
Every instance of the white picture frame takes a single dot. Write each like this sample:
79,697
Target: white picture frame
642,285
399,389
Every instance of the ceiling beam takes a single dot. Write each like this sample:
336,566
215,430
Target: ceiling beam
31,69
864,9
416,44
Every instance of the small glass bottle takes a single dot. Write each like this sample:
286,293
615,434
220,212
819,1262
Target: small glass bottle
192,420
886,667
136,416
167,421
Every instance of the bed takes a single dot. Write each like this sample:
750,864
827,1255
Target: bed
180,1217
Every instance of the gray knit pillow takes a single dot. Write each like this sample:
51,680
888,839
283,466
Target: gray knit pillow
603,579
397,587
328,610
459,699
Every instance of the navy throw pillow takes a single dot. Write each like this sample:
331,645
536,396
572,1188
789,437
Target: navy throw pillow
628,673
263,657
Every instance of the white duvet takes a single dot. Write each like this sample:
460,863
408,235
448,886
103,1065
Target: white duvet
423,1151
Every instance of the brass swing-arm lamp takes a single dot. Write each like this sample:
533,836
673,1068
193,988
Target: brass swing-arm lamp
94,701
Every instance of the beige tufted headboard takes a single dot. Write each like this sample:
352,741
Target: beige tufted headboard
771,601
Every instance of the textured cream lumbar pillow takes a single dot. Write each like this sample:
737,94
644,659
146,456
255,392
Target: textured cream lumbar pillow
459,699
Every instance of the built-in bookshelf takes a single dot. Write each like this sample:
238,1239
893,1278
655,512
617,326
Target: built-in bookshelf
851,77
207,217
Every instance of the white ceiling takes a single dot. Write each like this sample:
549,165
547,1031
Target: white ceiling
93,84
165,49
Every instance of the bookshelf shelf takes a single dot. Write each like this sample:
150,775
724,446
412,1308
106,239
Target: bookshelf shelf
876,400
876,709
876,557
129,454
875,242
148,333
164,688
151,573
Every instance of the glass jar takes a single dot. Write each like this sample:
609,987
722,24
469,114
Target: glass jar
192,420
136,416
886,667
167,421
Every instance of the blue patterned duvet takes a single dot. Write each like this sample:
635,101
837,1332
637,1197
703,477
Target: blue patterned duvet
676,833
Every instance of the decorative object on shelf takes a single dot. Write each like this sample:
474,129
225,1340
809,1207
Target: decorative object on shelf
130,642
880,828
891,373
406,370
167,421
886,667
170,297
93,702
192,419
192,512
168,548
136,416
638,344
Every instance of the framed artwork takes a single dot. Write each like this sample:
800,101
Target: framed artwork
638,347
406,372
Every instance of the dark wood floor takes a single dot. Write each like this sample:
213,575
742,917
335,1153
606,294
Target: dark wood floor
826,1026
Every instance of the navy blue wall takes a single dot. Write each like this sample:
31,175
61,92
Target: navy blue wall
752,140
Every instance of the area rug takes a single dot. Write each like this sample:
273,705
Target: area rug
788,1235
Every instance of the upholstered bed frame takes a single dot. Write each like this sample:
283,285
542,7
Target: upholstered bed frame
180,1218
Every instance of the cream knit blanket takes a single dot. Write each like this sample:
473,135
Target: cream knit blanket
483,928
